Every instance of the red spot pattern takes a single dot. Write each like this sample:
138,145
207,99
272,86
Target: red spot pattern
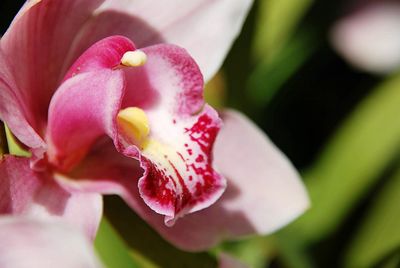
155,185
202,134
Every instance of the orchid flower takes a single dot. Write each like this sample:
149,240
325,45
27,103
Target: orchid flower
103,117
368,36
28,242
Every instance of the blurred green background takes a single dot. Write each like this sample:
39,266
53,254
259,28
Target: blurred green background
339,126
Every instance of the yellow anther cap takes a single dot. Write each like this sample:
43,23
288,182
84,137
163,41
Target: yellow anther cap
134,124
134,58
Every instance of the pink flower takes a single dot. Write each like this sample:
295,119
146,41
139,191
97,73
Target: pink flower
29,242
133,122
368,36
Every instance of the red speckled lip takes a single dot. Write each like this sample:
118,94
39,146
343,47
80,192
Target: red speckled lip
176,157
182,180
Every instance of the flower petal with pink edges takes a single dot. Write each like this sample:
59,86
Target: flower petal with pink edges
206,29
85,106
23,191
29,242
82,110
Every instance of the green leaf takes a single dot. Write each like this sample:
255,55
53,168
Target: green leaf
379,234
276,22
143,240
278,50
255,252
14,146
215,91
292,251
352,161
269,76
3,140
111,249
392,262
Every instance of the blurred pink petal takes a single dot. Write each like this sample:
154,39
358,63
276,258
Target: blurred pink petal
29,242
227,261
369,38
265,179
23,191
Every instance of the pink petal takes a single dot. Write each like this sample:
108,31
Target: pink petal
270,192
179,178
23,191
205,28
105,171
82,110
13,110
227,261
29,242
36,46
369,38
85,106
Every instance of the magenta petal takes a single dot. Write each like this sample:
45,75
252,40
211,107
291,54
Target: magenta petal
82,110
23,191
87,102
37,45
13,110
106,171
104,54
29,242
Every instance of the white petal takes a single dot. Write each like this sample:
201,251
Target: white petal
28,242
270,192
